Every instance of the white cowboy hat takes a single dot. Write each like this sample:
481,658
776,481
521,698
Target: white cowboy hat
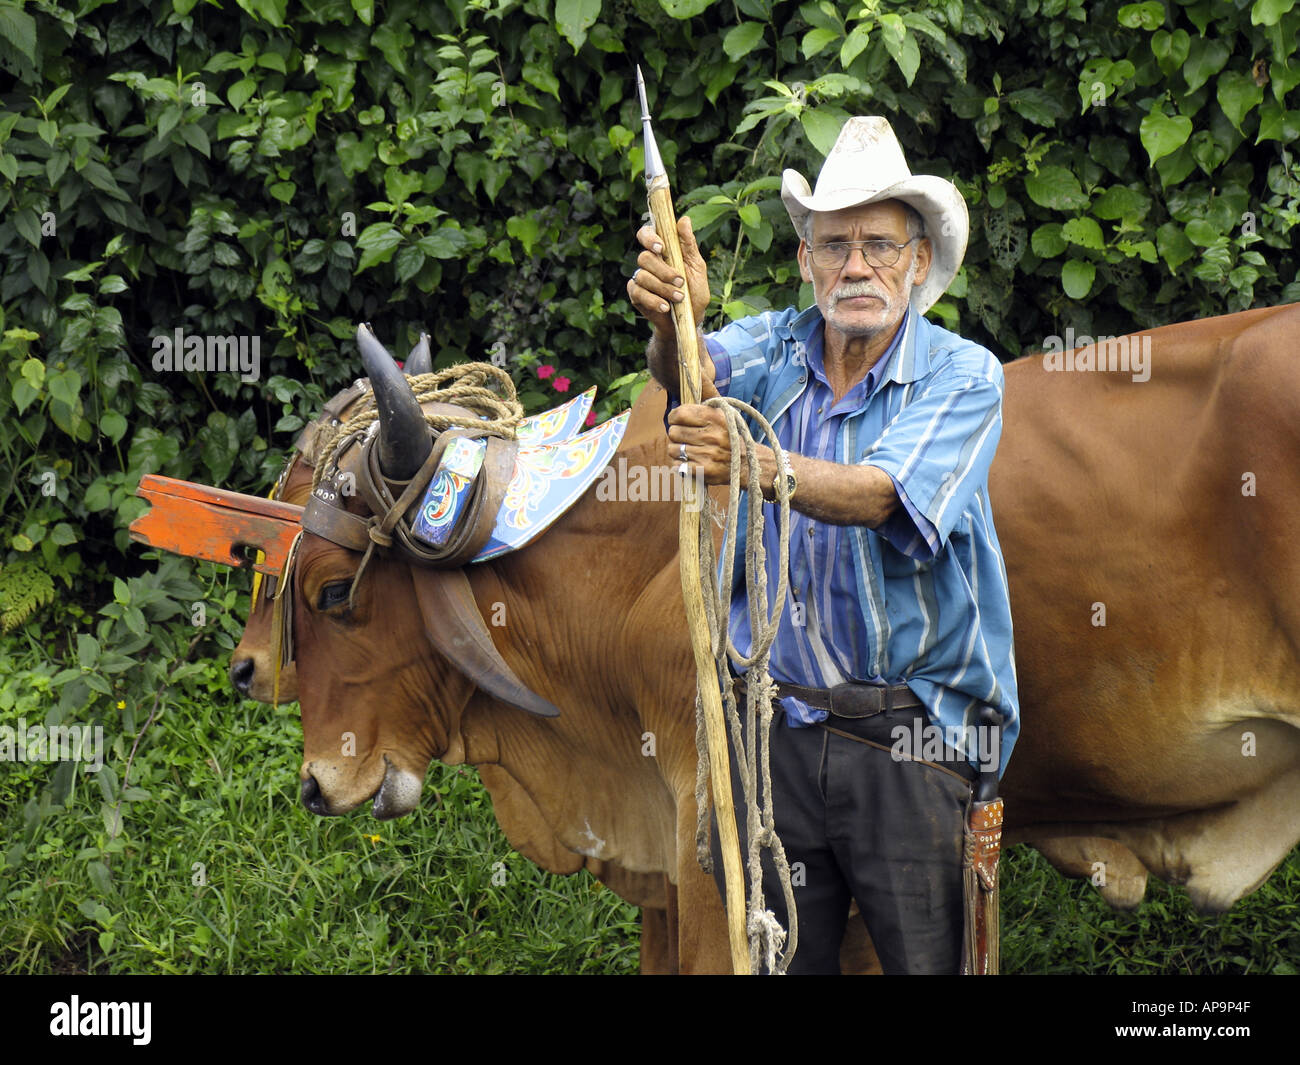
866,165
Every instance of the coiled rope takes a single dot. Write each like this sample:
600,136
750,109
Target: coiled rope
752,746
487,392
478,386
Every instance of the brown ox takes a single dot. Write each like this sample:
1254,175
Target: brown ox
251,672
1158,736
1166,740
520,818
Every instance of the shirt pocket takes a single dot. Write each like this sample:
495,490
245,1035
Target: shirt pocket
896,566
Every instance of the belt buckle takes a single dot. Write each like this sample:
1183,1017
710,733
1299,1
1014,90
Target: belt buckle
856,701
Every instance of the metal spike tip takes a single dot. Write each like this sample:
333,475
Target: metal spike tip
640,92
654,164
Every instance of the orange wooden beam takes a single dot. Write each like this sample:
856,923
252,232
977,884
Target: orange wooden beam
215,525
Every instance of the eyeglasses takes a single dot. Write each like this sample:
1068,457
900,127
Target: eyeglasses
878,253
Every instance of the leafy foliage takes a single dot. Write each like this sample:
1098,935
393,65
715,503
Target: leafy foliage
240,168
24,587
473,168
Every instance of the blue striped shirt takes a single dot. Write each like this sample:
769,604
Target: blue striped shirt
923,599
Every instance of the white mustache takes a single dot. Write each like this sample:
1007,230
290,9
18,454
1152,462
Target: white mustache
857,288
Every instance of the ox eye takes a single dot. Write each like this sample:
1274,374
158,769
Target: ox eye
334,594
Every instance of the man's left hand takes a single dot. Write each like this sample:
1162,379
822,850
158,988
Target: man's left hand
827,491
703,429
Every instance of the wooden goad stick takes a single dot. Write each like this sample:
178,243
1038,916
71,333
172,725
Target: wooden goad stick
665,223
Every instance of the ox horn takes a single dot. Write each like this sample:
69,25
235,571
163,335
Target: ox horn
404,441
421,358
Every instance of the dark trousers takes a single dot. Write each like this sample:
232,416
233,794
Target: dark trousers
865,825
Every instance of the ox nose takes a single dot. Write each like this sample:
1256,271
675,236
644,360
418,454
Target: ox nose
241,674
313,799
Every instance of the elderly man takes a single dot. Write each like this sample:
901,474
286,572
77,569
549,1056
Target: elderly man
896,639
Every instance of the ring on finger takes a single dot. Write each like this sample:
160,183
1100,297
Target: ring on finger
682,455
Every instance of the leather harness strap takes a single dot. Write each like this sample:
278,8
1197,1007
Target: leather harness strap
476,523
336,525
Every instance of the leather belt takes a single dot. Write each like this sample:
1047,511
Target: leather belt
849,700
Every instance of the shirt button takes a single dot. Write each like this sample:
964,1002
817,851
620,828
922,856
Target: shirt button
819,410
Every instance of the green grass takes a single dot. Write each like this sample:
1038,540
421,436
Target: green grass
1051,924
214,791
283,891
213,797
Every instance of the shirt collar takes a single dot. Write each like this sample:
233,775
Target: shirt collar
900,359
911,358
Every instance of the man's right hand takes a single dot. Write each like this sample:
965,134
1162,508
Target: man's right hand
654,286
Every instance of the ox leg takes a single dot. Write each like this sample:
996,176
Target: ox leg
857,952
1113,869
659,936
702,944
672,923
1221,855
655,946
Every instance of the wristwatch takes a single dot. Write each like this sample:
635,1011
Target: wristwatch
791,481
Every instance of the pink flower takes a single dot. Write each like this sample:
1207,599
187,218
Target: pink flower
591,417
545,371
561,384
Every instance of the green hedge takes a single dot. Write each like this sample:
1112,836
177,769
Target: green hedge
473,168
283,172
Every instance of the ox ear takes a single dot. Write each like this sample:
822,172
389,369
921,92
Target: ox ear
455,628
